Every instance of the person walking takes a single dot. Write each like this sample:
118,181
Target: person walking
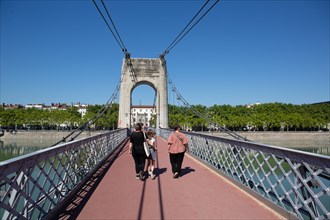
137,150
152,157
177,146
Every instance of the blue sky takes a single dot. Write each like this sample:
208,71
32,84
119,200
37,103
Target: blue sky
241,52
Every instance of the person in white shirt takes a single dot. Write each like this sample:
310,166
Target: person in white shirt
152,157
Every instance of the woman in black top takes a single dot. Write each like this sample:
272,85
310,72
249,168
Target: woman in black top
137,150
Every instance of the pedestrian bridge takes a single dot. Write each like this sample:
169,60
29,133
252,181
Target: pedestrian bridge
223,178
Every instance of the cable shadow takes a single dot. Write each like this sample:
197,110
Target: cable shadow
72,208
123,151
142,200
157,171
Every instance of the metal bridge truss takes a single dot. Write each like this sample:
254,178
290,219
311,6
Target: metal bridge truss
31,185
296,181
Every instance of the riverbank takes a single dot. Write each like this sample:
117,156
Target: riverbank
253,136
24,142
40,135
284,139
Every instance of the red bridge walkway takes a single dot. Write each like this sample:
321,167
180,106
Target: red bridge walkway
115,193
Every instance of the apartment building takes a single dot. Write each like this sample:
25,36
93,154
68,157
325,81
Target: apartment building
143,114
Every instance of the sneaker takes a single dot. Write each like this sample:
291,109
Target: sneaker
152,176
175,175
137,176
141,175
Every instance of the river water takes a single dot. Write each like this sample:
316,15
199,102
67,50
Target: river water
313,146
13,147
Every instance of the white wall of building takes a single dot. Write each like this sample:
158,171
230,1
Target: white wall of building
142,114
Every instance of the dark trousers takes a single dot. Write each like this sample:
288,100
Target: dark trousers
176,162
139,160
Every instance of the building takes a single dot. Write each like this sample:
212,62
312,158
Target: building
143,114
82,108
252,104
11,106
37,106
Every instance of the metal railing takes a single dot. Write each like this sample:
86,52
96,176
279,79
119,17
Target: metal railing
33,184
296,181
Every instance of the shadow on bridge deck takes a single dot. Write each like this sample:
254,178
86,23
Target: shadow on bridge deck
114,193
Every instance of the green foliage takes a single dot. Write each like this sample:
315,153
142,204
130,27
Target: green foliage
109,119
33,118
263,117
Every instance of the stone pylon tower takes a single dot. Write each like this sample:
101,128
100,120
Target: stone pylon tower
138,71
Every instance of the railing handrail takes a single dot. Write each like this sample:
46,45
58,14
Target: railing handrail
34,184
297,155
49,149
285,179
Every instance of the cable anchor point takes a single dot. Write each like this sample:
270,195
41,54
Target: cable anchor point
127,54
162,55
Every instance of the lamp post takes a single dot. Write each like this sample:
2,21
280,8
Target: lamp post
145,119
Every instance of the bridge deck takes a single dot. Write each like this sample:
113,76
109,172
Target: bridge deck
199,194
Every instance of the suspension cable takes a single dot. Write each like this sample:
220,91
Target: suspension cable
178,38
93,119
206,118
118,39
120,42
114,26
127,54
108,104
131,69
167,49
